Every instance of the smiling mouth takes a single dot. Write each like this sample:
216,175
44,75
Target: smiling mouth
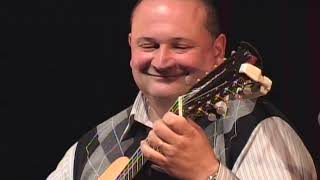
167,75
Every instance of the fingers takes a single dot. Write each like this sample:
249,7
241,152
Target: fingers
151,154
159,145
163,132
177,124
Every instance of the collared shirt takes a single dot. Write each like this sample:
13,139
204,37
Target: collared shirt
215,131
139,111
273,151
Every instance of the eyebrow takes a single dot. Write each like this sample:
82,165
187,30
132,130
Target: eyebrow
143,39
174,40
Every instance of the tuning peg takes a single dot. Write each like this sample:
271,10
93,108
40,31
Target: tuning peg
211,116
233,52
238,90
221,107
247,90
254,73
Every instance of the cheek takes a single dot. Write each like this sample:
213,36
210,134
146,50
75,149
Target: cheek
204,60
139,60
191,60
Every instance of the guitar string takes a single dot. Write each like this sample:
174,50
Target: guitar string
205,93
174,109
138,155
133,158
210,137
235,129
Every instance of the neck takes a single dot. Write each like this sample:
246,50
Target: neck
159,106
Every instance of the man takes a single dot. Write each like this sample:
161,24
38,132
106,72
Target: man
174,43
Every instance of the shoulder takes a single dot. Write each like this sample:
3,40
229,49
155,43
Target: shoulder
115,120
64,170
275,144
106,126
274,134
278,130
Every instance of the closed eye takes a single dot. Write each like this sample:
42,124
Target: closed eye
181,48
149,46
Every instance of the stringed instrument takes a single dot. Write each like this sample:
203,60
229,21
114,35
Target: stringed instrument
238,77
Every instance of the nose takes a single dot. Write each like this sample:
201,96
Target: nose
163,59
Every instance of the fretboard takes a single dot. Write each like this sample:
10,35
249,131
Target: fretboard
137,161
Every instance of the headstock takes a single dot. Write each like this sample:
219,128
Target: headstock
239,76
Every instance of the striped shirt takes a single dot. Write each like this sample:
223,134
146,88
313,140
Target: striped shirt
273,150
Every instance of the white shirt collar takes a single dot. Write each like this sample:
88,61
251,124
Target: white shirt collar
139,111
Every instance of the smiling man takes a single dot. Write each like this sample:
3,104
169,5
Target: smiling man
174,43
169,47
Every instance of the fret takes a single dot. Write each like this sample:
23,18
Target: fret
135,164
137,161
134,167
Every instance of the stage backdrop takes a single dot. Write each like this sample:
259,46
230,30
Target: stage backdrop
64,68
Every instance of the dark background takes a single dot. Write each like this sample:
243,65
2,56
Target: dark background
64,68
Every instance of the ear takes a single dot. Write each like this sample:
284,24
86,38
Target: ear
129,39
131,63
219,48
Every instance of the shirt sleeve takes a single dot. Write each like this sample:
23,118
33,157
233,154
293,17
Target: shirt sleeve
64,170
273,151
225,173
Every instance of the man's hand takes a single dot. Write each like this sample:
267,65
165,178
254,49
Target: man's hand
180,147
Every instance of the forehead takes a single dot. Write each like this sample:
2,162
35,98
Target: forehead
176,15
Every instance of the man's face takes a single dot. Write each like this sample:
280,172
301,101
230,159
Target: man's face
170,47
